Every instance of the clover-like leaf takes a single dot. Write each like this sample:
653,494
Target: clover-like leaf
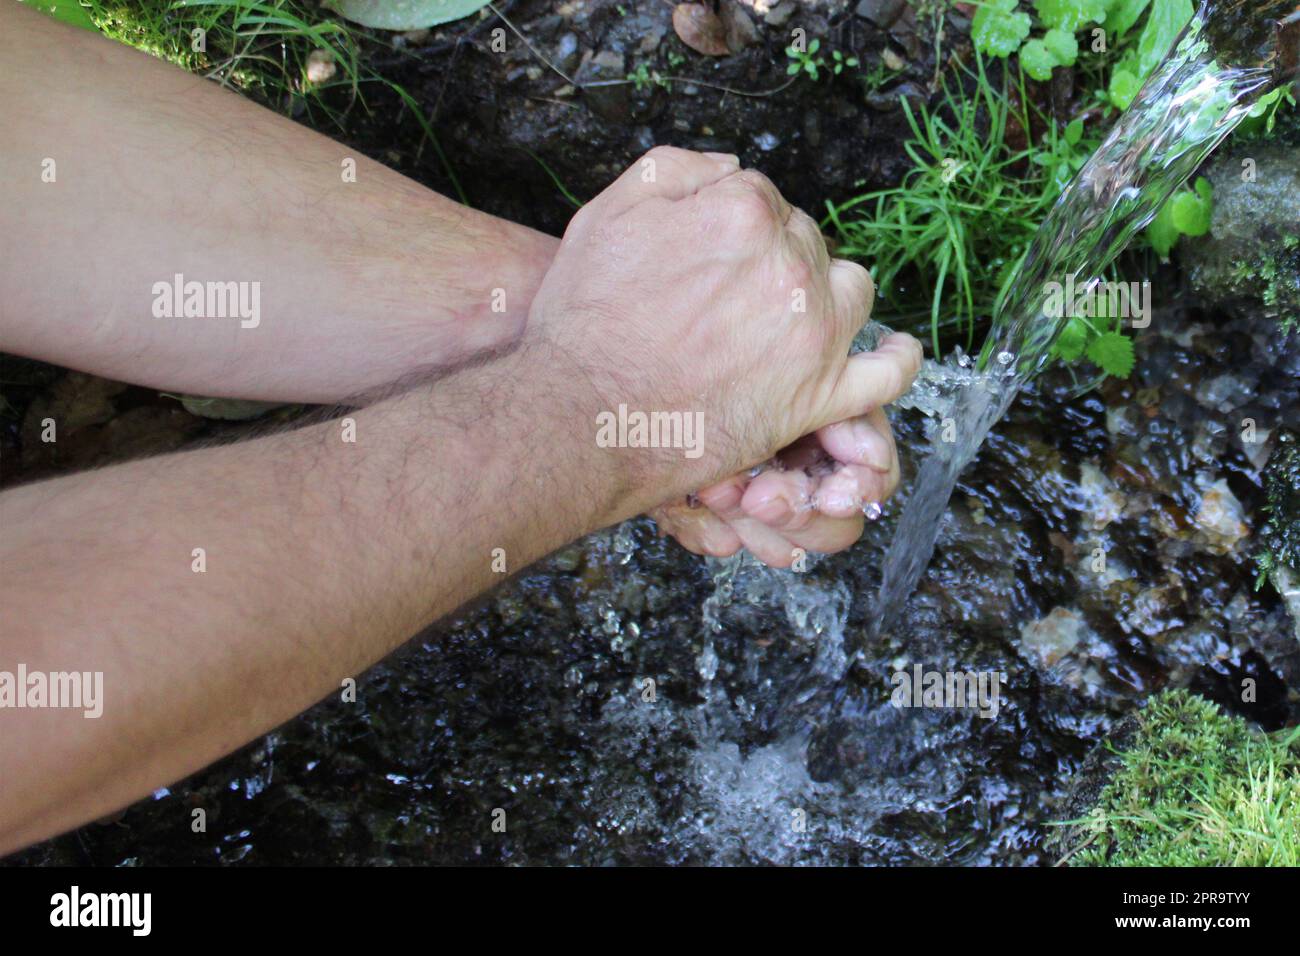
1163,231
1113,353
1063,46
1037,60
1072,341
999,28
1193,212
1124,86
1070,14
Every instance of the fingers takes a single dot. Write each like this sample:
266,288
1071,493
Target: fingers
697,529
782,500
786,502
866,440
872,379
765,543
663,173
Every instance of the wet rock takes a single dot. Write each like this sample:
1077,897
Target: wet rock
883,13
1287,583
1102,501
780,14
1050,639
611,103
320,67
567,53
1251,258
1220,518
1282,484
227,409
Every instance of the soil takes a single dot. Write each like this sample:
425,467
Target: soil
505,118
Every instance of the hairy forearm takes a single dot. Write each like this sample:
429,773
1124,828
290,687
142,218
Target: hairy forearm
121,173
319,556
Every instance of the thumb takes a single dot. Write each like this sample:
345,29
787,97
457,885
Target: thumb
872,379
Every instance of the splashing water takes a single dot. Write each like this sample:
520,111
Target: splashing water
1188,106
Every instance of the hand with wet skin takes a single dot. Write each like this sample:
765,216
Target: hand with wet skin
812,501
727,338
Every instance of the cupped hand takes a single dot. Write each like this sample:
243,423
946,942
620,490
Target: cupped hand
813,497
691,286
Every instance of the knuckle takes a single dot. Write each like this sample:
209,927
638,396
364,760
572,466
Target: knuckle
799,274
858,282
750,213
581,221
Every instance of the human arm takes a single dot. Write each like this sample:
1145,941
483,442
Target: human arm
322,555
121,172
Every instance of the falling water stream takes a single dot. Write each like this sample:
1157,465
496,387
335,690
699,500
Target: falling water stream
1192,101
587,700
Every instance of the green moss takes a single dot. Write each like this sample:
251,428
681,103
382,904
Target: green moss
1281,534
1196,787
1272,279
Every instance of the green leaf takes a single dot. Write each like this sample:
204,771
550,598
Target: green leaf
1122,15
1167,20
1163,232
1070,14
1037,60
999,28
1124,86
1113,353
1072,340
1063,46
1192,212
67,11
1074,132
404,14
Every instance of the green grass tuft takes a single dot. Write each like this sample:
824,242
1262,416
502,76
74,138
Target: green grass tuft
944,243
1196,787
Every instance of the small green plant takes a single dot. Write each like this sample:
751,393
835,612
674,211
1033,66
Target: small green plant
879,75
1165,20
1188,212
1195,787
805,60
808,62
642,78
1101,340
839,61
945,242
1001,28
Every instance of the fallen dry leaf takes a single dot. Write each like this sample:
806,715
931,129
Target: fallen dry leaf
700,29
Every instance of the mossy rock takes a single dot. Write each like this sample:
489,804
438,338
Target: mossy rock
1281,535
1250,261
1180,783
